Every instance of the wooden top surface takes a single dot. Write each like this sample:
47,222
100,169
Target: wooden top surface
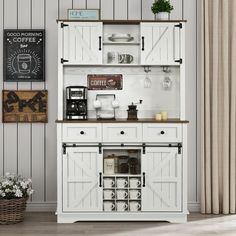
123,21
125,121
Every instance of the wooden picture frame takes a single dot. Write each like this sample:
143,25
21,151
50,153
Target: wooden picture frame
84,14
24,55
24,106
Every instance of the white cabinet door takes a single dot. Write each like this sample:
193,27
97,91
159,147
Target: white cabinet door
81,179
82,43
162,188
160,44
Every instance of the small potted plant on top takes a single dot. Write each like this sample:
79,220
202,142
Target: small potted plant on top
162,9
14,193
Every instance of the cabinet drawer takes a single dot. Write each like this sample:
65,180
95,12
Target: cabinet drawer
85,133
122,133
162,132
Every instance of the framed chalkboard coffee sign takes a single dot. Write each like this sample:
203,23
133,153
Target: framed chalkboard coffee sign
24,55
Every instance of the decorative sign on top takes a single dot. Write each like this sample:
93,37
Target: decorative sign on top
24,55
25,106
105,82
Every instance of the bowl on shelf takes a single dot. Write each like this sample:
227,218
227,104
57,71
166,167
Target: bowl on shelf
121,38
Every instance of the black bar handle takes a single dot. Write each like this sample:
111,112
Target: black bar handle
100,179
142,43
144,179
100,43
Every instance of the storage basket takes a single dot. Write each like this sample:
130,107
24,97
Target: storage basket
12,211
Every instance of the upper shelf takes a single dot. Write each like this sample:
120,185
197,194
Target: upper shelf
118,22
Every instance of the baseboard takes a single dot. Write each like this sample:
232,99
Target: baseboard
194,206
41,206
51,206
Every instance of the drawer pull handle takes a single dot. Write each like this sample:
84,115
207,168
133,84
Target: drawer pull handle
162,132
81,132
122,132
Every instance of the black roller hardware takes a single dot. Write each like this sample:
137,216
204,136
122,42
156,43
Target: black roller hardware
100,179
142,43
144,179
100,43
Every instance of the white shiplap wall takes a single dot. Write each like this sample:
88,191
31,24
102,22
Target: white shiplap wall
30,149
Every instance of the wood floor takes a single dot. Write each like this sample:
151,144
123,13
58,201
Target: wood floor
37,224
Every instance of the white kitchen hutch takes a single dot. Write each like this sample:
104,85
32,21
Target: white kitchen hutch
160,146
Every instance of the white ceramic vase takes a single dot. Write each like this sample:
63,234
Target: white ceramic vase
162,16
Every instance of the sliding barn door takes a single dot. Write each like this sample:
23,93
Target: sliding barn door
82,43
160,43
81,191
163,179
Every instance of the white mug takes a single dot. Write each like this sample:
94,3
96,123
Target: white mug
112,57
108,194
108,206
134,194
121,182
115,104
121,194
108,183
134,183
121,206
134,206
97,104
109,166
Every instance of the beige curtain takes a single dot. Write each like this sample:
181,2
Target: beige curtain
218,107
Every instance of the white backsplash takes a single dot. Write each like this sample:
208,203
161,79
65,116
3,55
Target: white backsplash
155,99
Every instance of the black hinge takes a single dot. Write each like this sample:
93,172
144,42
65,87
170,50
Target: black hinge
64,148
180,61
100,148
180,25
144,148
62,60
179,148
63,25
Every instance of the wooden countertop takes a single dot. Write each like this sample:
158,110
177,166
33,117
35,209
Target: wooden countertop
125,121
115,22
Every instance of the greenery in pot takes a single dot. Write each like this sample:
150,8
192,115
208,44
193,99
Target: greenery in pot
14,187
161,6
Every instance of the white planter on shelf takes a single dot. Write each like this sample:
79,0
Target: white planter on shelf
162,16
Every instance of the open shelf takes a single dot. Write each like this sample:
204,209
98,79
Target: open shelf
121,43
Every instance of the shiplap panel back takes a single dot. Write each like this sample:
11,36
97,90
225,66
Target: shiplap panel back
30,149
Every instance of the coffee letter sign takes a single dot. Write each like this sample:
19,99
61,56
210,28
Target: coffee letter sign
25,106
24,55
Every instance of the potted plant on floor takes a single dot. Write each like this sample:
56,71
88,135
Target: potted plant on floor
14,193
162,9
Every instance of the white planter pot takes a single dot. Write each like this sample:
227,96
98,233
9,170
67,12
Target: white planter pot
162,16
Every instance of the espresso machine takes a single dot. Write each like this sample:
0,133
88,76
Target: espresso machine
76,103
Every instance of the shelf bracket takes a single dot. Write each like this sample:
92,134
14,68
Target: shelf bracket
64,148
63,25
179,148
100,148
180,25
144,148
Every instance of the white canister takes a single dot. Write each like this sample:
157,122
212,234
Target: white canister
108,182
121,206
134,206
108,206
134,183
108,194
134,194
109,166
121,194
121,183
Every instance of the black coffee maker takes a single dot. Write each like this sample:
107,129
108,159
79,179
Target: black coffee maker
76,103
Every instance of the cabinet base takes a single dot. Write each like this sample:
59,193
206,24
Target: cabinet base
169,217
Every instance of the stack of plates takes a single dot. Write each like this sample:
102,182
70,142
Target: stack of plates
121,38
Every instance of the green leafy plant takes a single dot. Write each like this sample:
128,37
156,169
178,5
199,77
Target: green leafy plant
161,6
